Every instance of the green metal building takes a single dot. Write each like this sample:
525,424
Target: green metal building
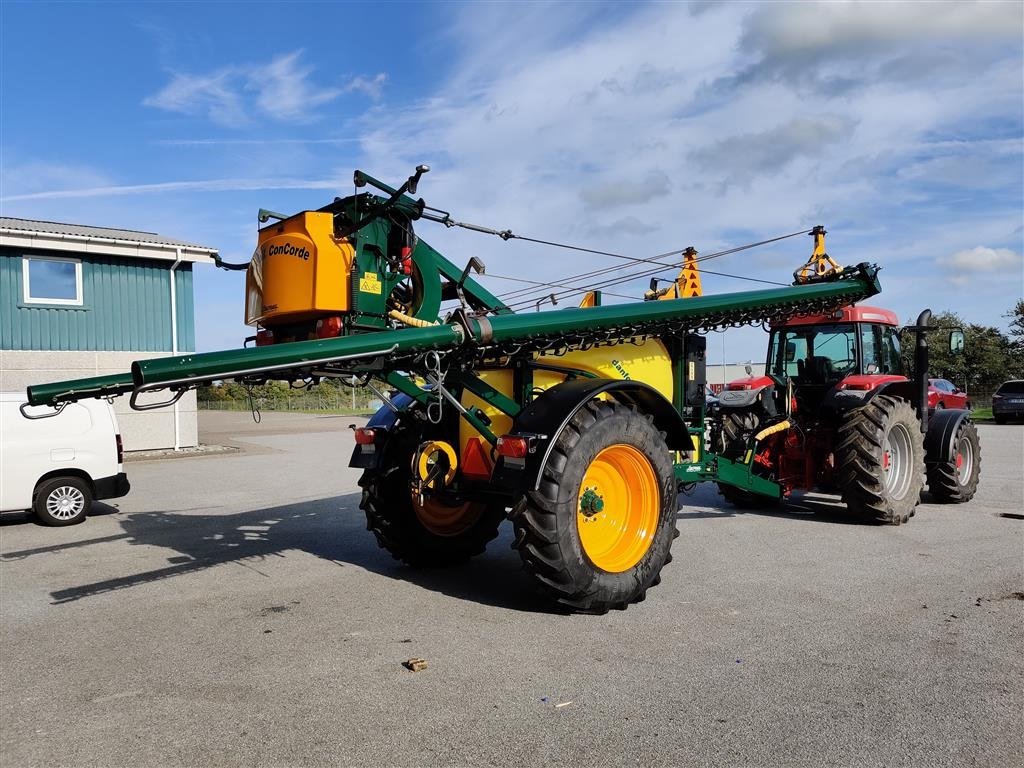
89,300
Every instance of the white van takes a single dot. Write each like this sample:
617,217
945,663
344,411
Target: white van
58,465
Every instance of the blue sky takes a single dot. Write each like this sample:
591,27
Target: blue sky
635,128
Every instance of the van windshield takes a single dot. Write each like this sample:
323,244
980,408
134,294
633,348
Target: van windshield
1011,388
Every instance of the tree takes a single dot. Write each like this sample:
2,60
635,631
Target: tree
1016,318
987,360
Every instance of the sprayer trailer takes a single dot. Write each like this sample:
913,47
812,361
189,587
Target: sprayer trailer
579,425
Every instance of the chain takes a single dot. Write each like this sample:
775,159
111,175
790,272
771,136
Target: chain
435,408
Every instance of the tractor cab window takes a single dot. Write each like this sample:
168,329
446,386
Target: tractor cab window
785,353
871,348
891,362
814,354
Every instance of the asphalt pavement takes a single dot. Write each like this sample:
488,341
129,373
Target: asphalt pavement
233,610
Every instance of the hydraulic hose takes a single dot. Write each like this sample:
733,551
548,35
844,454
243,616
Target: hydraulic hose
228,265
782,426
413,322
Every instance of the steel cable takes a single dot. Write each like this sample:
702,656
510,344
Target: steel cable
522,292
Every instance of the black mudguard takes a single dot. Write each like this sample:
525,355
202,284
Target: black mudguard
383,421
942,428
843,400
543,420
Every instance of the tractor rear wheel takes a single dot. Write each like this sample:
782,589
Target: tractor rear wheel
599,529
955,480
737,426
424,532
879,460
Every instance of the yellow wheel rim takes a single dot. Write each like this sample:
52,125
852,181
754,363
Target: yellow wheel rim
617,508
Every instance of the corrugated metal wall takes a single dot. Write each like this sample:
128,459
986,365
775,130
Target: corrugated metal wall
126,307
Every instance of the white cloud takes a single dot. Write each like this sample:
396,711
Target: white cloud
631,190
371,86
213,96
252,142
281,90
641,129
561,139
983,259
203,185
769,151
803,31
29,177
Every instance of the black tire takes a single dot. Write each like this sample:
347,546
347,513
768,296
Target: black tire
396,521
955,481
61,501
547,533
873,486
737,426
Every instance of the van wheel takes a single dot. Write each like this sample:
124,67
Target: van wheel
62,501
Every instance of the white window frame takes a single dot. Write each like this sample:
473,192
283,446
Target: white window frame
26,296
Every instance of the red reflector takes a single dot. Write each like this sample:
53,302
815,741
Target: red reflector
120,449
328,327
264,337
512,447
365,436
735,387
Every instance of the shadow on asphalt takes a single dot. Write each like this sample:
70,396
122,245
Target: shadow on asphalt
99,509
817,508
332,529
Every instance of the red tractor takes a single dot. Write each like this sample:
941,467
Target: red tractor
836,412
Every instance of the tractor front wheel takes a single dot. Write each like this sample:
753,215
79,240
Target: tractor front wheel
599,529
426,532
955,480
880,460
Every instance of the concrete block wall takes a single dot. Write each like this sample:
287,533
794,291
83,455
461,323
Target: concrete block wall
140,430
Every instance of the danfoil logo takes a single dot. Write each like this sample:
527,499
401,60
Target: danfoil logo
287,249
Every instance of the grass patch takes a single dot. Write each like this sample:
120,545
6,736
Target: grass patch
982,414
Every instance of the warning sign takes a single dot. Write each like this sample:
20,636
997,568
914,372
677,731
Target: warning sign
369,283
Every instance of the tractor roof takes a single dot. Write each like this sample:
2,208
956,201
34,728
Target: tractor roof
845,315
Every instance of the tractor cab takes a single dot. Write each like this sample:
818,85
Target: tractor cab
852,349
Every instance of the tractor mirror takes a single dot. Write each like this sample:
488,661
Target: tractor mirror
790,351
748,369
956,342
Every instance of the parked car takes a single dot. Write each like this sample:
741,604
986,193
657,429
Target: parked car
945,394
1008,401
57,466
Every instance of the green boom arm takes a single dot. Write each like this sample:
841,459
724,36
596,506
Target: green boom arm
485,336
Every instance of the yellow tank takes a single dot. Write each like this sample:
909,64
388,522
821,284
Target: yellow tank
648,362
299,272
